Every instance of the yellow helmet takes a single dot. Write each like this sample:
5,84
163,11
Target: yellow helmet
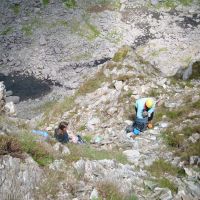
149,103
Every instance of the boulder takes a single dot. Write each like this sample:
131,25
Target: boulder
118,85
42,41
60,148
133,156
10,108
19,176
9,93
14,99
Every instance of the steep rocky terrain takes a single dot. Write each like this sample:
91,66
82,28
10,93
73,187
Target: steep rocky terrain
87,62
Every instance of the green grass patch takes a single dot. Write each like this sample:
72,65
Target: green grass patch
158,52
87,152
172,4
70,3
154,93
81,128
114,37
30,26
166,183
195,70
30,145
111,191
196,105
173,139
102,5
10,145
160,167
45,2
92,84
15,8
6,31
84,28
121,54
87,138
192,149
54,110
176,138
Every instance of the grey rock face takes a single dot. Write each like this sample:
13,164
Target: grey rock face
2,96
187,73
18,178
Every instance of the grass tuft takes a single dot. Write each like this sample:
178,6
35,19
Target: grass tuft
6,31
15,8
121,54
87,152
70,3
30,145
111,191
45,2
165,183
92,84
160,167
10,145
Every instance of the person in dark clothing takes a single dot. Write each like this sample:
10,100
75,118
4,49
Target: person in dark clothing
61,133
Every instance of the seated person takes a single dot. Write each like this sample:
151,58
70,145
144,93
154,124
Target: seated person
62,135
61,132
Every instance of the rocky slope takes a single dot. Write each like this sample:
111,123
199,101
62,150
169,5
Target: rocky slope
147,44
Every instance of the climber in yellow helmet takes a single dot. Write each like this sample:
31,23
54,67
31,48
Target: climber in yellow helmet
144,108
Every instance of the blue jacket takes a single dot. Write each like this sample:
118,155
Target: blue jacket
140,105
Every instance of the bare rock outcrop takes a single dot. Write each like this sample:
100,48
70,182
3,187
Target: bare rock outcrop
18,178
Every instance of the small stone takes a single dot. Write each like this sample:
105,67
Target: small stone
194,137
42,41
10,108
112,110
118,85
94,194
154,2
61,148
166,195
9,93
193,160
150,184
14,99
132,155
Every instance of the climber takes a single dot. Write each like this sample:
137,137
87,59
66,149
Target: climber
63,136
61,132
144,108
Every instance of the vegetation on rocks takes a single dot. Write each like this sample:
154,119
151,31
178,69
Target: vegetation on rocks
121,54
111,191
15,8
69,3
26,143
161,167
88,152
166,183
